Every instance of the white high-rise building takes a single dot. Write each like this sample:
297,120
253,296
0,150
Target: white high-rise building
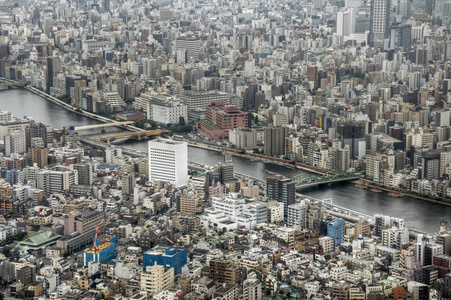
296,214
346,22
168,161
379,22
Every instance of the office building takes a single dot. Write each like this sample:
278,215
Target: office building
352,135
53,67
281,190
156,278
346,22
166,109
336,230
174,257
379,22
168,161
220,117
192,45
401,36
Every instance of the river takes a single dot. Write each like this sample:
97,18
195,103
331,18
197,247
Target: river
417,214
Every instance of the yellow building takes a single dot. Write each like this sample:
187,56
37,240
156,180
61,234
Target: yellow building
157,278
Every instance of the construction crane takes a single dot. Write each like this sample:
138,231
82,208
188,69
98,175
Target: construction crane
95,238
173,244
94,247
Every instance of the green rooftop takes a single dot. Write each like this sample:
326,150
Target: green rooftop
40,240
210,125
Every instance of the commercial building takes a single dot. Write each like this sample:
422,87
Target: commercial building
352,134
192,45
379,22
246,138
220,117
401,36
168,161
165,109
174,257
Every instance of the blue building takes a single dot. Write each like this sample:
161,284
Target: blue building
104,251
174,257
336,230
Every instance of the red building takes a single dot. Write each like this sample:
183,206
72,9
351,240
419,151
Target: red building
399,293
220,118
444,264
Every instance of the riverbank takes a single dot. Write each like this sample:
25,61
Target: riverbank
76,110
419,215
403,192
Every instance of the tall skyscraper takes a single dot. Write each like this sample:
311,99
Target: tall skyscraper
346,22
352,134
401,36
282,190
49,73
168,161
380,13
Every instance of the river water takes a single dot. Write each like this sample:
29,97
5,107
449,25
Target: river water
417,214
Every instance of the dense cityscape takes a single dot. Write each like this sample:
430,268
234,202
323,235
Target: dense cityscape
192,149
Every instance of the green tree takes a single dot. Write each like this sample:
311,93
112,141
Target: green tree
360,75
256,119
181,121
6,251
2,296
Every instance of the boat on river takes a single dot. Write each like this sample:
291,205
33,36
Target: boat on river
360,186
397,195
376,190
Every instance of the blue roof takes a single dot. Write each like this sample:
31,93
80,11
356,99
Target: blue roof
108,167
317,52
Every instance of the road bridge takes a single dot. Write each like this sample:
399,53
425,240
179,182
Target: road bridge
79,128
309,180
134,135
9,83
